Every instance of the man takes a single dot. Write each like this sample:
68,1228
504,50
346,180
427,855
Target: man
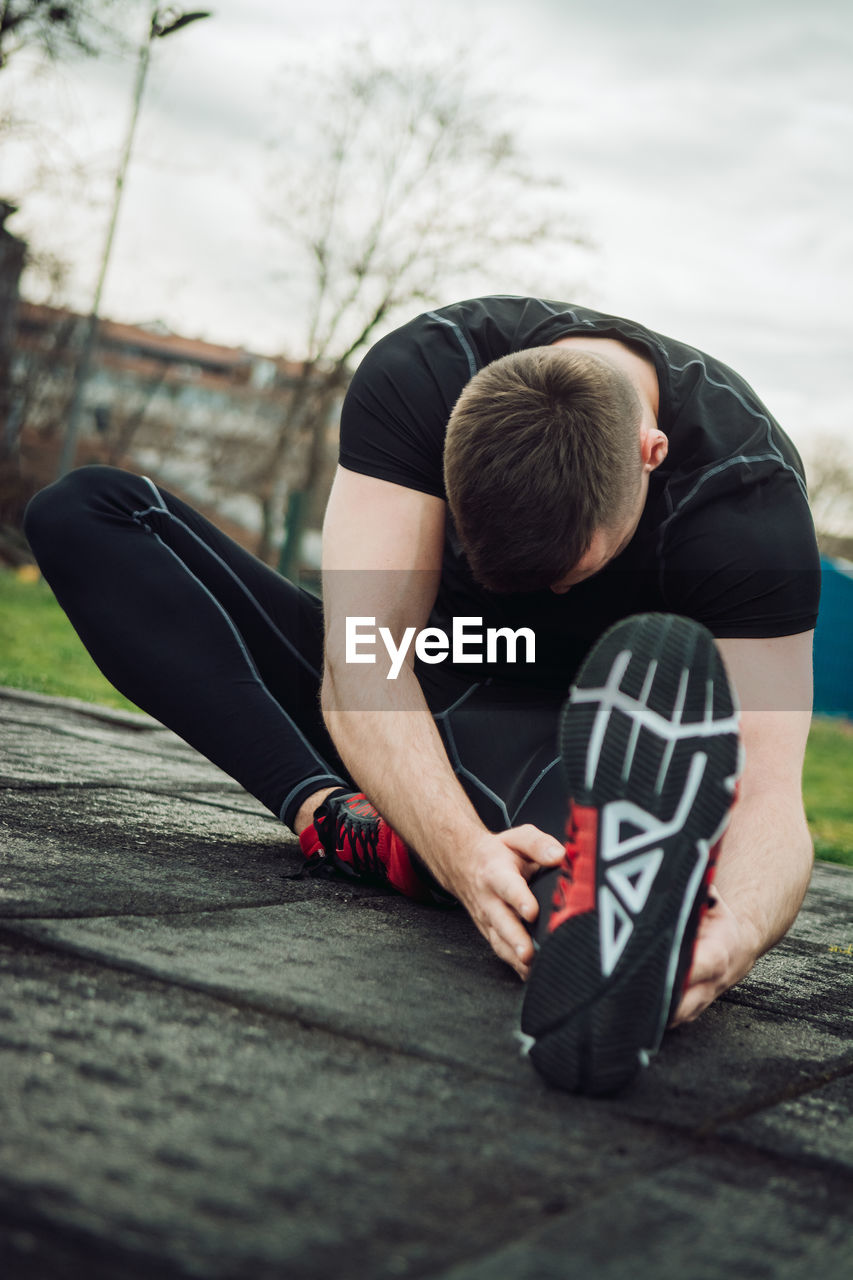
543,470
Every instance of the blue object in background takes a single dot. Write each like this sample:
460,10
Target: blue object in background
833,642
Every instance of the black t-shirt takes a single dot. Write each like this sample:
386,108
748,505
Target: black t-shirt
726,536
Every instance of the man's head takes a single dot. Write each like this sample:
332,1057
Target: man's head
546,467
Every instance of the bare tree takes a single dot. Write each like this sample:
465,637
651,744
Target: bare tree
55,30
395,185
830,476
82,26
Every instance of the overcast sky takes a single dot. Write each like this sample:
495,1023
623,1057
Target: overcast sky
707,148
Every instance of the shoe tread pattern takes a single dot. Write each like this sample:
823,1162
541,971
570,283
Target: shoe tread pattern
649,703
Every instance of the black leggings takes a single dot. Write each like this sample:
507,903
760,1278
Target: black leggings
228,654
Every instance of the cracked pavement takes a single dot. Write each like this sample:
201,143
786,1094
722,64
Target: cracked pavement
213,1067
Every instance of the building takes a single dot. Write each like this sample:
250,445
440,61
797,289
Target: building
215,422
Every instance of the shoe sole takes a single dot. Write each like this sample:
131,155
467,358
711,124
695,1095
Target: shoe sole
649,738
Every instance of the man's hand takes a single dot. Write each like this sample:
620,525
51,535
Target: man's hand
491,883
725,951
766,854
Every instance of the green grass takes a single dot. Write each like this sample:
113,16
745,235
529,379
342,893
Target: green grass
39,650
828,789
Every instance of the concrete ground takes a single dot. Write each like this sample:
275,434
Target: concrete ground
210,1067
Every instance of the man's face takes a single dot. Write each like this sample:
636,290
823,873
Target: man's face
606,545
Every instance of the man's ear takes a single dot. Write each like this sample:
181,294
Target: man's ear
654,447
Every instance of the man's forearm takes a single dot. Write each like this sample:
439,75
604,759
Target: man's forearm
764,866
762,876
387,738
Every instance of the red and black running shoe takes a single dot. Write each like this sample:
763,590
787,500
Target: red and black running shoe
651,752
349,835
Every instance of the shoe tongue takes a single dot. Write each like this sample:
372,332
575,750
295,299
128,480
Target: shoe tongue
359,806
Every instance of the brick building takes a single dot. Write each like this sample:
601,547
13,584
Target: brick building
204,418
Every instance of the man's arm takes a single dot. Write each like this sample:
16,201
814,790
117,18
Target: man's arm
382,551
766,855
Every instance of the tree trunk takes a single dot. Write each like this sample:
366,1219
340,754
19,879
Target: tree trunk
264,547
302,501
12,256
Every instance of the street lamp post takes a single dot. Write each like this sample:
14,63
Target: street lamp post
163,23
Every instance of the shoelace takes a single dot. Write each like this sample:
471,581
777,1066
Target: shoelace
361,839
